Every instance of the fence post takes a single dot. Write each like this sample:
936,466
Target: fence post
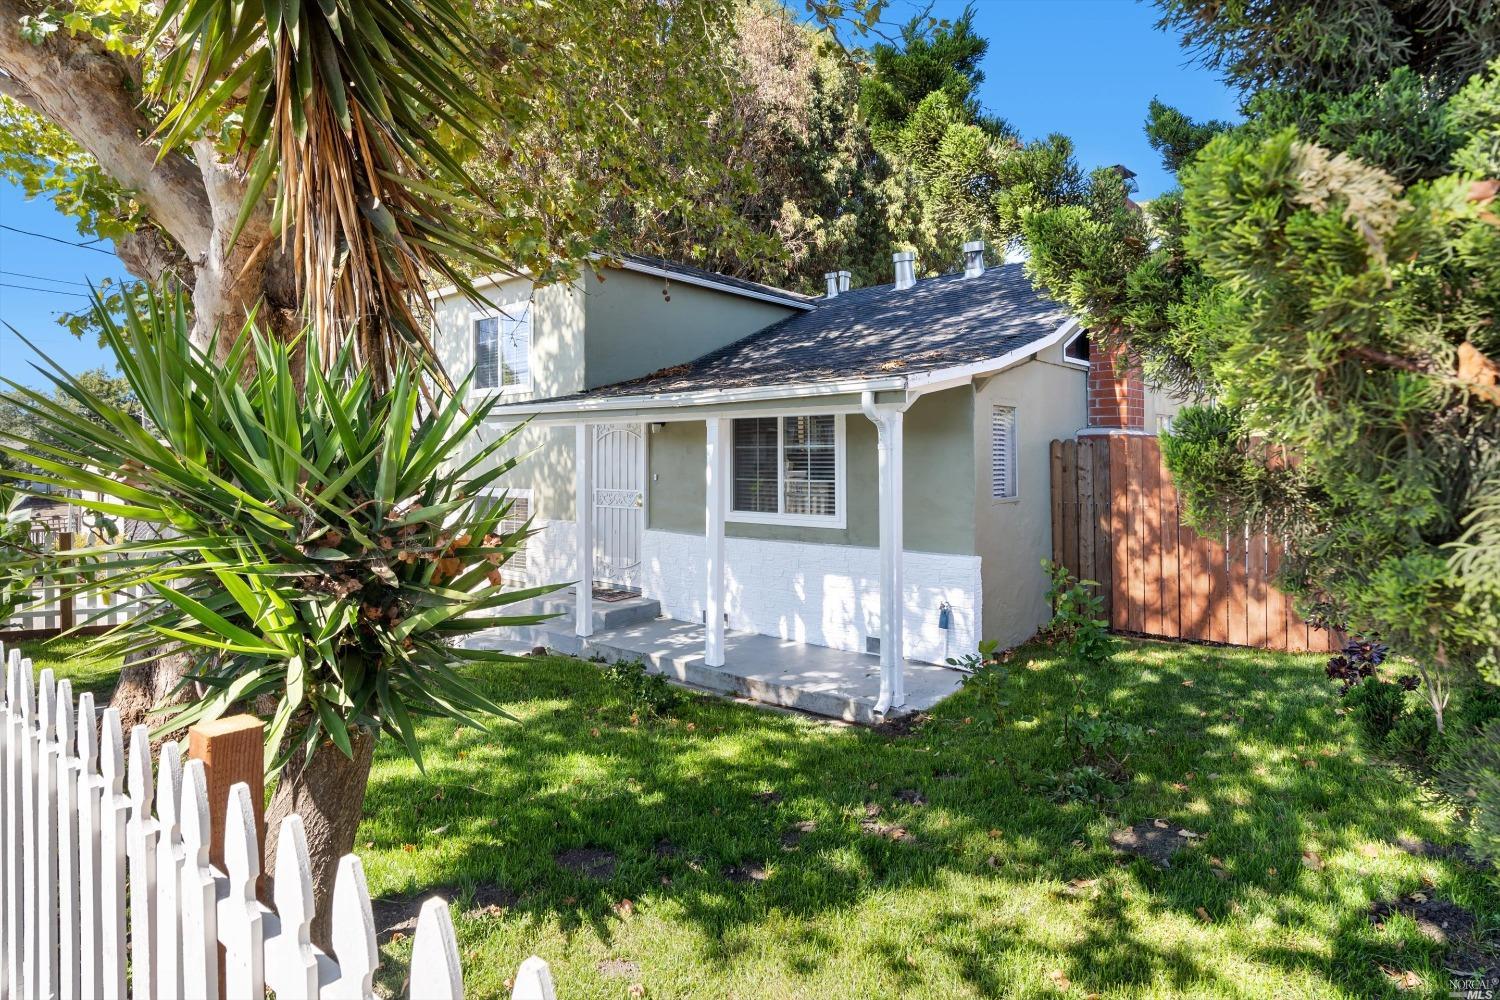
232,752
65,616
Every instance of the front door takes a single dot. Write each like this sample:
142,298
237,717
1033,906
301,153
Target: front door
619,504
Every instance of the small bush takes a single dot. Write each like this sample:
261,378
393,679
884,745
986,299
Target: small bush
987,678
1376,706
646,694
1077,624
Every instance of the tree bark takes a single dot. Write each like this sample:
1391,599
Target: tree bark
328,791
94,94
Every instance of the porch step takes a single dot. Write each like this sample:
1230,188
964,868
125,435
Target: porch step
607,614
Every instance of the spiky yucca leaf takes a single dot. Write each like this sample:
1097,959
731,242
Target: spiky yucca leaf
326,545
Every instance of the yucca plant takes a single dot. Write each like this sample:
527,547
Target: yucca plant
319,548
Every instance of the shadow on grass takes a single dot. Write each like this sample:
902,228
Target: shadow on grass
1249,754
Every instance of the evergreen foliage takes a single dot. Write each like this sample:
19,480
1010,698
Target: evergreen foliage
1327,283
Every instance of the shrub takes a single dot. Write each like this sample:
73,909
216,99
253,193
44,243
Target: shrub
1376,707
1077,624
986,679
646,694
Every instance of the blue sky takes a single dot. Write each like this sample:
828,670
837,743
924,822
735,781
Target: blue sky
1086,68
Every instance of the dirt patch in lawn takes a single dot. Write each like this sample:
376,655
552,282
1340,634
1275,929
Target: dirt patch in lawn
398,914
911,796
1444,852
791,839
748,871
902,725
590,862
1469,951
618,968
1155,840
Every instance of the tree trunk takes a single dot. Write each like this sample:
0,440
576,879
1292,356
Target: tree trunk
144,688
328,791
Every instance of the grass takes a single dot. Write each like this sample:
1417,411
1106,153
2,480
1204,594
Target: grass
72,658
999,891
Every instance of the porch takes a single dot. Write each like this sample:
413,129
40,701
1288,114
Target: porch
817,679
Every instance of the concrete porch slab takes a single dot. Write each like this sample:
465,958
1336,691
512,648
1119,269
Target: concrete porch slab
828,682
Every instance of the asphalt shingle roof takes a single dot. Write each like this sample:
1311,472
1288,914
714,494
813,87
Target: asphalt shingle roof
871,333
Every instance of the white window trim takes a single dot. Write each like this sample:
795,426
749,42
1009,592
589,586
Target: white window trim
517,493
1015,451
1069,343
499,314
840,517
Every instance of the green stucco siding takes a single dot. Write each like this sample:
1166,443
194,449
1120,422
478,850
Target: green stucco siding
1013,536
938,473
633,329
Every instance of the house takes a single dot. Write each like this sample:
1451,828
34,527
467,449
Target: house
866,471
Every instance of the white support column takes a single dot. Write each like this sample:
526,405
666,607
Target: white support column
583,497
716,469
888,420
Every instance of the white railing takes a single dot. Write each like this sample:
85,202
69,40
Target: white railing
82,848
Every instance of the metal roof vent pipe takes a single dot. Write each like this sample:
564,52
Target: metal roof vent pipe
831,282
973,258
844,279
906,269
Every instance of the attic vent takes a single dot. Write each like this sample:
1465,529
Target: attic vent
1003,453
872,645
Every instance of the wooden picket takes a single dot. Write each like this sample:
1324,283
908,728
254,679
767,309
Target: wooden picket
86,840
1117,520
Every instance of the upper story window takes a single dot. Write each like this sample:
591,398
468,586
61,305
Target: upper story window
788,470
502,350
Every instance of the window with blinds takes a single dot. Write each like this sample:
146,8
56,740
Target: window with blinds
755,465
1003,453
514,569
810,466
502,349
787,467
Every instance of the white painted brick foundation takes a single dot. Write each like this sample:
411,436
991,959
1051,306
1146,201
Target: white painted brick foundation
552,553
827,595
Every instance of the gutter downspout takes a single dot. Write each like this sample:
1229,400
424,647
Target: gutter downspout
888,421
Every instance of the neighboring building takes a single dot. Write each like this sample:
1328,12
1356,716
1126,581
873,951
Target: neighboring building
910,418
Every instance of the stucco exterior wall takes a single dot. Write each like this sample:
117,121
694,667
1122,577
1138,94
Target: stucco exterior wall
634,329
1013,536
939,466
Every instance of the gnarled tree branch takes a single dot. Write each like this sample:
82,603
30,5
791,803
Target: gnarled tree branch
92,93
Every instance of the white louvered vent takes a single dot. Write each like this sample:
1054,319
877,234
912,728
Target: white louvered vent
1003,453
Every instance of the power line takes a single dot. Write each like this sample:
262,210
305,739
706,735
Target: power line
34,288
54,239
43,277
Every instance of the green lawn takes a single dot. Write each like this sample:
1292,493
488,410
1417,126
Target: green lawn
71,658
995,890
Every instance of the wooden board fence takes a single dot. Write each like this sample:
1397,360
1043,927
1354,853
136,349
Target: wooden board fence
1116,519
90,832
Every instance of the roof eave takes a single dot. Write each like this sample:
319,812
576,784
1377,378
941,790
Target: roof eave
642,267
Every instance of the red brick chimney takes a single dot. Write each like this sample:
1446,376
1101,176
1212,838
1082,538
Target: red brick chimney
1117,393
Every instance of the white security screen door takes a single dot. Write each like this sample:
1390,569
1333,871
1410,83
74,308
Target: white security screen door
619,503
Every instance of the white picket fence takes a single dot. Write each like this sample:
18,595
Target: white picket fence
82,849
54,608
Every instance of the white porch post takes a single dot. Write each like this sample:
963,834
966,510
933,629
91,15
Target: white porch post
716,468
888,420
583,497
